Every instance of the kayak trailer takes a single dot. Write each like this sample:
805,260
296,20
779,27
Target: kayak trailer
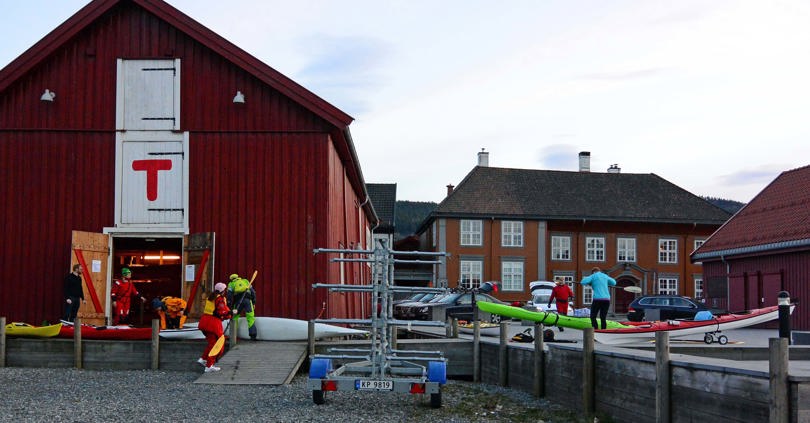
380,367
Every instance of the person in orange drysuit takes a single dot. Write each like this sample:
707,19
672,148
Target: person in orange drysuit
216,310
122,292
561,293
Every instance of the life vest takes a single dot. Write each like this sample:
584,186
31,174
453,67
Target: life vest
240,285
174,305
210,306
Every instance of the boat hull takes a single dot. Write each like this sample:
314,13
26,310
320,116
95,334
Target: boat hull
487,329
30,331
645,331
547,318
107,332
281,329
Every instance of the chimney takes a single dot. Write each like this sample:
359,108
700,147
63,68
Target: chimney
584,161
483,158
450,189
614,168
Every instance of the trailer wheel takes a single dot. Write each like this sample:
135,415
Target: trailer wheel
495,318
708,338
723,340
436,400
317,397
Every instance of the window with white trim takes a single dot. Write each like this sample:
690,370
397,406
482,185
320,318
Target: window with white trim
471,232
568,279
511,233
668,286
512,276
470,272
561,248
699,287
667,250
698,243
626,249
587,294
595,248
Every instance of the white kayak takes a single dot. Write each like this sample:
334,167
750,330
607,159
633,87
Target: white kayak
273,329
190,331
281,329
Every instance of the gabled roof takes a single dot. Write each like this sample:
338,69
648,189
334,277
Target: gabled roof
88,14
561,195
384,199
778,218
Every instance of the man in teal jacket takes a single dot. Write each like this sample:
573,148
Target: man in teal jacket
601,296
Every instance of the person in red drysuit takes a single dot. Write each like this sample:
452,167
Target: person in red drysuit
561,292
216,310
122,292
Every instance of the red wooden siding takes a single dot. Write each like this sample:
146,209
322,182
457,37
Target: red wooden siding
795,273
266,176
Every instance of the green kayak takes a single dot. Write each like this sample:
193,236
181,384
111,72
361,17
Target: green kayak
547,318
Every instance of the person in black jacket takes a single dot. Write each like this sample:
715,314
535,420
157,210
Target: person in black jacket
73,293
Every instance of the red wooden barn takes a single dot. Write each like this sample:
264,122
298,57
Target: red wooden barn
762,250
133,136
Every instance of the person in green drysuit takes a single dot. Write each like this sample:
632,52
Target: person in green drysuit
242,298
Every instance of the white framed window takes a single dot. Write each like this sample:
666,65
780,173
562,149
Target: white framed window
568,279
471,231
512,276
667,250
470,273
511,233
698,243
594,248
699,287
587,294
668,286
626,249
561,248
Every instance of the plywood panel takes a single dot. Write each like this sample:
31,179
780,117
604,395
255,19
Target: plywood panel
92,251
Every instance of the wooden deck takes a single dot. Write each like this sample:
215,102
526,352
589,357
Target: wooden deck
258,363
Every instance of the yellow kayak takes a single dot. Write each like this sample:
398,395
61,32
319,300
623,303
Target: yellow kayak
24,329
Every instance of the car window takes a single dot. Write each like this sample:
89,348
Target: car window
464,299
680,302
541,298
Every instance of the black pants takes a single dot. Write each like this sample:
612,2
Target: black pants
601,308
71,309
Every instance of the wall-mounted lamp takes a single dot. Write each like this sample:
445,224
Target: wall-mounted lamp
239,97
48,95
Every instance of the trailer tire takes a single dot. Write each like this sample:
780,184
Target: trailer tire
723,340
436,400
708,338
317,397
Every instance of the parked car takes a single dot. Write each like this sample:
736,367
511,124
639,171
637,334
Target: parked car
456,305
404,310
541,292
666,306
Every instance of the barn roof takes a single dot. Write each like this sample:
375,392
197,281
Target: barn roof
52,42
562,195
778,218
384,199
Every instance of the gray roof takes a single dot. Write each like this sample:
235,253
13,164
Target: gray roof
384,199
562,195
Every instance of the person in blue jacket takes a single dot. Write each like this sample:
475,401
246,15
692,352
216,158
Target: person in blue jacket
599,282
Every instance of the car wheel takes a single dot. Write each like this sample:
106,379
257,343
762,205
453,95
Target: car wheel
495,318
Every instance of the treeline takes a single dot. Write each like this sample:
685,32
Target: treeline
730,206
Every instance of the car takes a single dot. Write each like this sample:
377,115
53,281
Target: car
404,311
463,310
664,307
541,292
454,304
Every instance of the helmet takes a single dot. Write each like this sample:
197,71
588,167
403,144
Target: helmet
220,287
233,276
126,271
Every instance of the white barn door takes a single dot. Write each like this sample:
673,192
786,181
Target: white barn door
148,95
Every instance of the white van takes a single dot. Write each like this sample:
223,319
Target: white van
541,292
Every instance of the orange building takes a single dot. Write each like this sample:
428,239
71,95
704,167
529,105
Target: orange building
519,225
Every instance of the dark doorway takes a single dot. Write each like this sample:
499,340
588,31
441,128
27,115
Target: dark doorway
157,271
622,298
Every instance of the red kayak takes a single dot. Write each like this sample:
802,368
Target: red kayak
107,332
645,331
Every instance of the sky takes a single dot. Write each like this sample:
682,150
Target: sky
713,96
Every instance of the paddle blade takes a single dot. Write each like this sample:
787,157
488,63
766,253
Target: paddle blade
255,272
633,289
217,346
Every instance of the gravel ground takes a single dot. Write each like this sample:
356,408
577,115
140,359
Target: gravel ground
70,395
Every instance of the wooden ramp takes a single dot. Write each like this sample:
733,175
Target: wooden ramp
258,363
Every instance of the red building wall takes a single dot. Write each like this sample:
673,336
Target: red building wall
262,173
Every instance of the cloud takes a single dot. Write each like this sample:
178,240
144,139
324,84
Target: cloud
760,176
625,75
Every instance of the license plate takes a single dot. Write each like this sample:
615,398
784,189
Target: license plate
376,385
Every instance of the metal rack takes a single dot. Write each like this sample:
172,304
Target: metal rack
381,366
